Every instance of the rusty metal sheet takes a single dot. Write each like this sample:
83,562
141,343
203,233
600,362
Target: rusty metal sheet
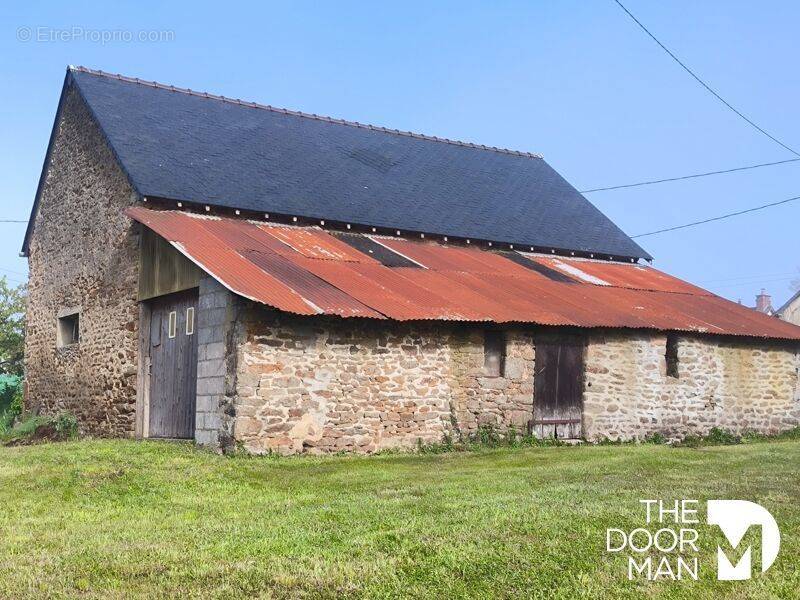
433,305
245,235
189,234
173,226
466,299
365,289
311,272
241,276
328,298
641,277
515,306
631,276
439,257
315,243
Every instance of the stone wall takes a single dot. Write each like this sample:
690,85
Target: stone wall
83,253
328,385
480,400
325,385
732,384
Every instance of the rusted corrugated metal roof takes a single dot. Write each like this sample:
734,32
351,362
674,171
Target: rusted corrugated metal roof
308,271
310,244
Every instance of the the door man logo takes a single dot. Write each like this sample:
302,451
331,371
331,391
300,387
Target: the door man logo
735,517
670,549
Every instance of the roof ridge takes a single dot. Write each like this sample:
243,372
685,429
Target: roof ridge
297,113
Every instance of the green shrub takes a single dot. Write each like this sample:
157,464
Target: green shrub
714,437
487,436
23,429
10,400
754,436
66,425
722,437
63,426
792,434
655,438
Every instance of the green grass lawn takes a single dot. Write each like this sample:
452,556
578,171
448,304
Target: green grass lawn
126,519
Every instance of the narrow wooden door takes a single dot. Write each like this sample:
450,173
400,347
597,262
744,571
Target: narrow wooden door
558,388
173,365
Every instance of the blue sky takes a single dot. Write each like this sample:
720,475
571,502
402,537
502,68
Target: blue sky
574,80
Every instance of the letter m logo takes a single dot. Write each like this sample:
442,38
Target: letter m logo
734,518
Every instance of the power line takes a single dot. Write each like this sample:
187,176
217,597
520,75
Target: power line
654,181
11,221
719,218
703,83
14,272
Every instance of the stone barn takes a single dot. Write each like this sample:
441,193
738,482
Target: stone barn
242,275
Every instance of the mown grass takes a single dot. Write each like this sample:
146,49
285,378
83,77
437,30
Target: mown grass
122,519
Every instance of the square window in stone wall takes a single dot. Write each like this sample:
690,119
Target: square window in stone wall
494,353
68,332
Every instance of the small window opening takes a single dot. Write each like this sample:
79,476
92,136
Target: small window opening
69,331
494,353
671,356
190,320
172,327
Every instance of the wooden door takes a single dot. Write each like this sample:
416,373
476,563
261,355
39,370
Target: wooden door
173,365
558,388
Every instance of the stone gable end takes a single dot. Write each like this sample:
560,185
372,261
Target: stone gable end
83,254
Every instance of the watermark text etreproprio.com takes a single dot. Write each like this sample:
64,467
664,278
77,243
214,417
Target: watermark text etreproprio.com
47,34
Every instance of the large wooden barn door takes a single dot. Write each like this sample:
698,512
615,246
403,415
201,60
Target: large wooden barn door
558,387
173,365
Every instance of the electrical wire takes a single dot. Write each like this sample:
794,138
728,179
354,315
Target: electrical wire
654,181
719,218
703,83
13,272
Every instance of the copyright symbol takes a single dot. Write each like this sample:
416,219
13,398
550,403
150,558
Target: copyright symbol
24,34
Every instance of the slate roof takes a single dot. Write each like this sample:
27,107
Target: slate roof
192,147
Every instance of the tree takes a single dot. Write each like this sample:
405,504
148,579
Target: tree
12,327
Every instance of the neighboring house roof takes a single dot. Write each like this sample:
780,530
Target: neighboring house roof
309,271
193,147
788,304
